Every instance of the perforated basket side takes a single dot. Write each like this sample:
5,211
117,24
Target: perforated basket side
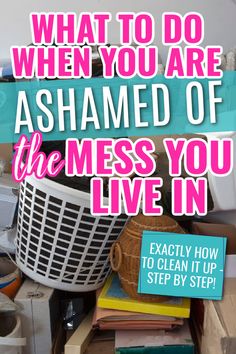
59,242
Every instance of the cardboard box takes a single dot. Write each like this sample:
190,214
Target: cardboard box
219,330
6,154
217,229
222,217
40,314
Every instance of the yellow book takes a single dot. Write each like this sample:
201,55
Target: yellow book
113,297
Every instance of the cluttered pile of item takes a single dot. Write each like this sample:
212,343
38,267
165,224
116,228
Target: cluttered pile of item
162,320
69,279
56,279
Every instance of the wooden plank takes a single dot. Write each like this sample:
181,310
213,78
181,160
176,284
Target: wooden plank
79,341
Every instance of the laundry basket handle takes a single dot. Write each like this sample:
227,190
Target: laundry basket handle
116,256
13,342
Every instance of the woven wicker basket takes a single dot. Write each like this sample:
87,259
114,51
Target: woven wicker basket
125,253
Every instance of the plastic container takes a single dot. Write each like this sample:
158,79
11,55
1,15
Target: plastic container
59,243
10,277
11,341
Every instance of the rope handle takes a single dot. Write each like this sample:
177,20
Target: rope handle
116,256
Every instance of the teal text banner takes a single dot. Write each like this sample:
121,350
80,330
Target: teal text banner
132,109
182,265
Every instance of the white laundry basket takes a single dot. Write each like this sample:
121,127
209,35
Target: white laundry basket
59,243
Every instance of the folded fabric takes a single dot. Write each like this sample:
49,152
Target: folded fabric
106,319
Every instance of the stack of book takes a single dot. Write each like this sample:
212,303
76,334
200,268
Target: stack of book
142,326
